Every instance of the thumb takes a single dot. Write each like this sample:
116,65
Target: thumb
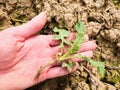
32,27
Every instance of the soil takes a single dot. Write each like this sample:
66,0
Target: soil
102,20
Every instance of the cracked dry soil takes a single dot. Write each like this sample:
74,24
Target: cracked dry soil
102,20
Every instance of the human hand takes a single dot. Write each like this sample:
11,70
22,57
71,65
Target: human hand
23,52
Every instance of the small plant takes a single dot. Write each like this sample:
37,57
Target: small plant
65,58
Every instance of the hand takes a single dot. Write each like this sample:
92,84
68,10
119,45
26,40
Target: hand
22,52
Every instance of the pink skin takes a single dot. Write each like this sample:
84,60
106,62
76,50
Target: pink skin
23,52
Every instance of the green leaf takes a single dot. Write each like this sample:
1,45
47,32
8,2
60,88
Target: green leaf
80,27
56,37
99,65
62,34
70,65
77,42
66,41
66,65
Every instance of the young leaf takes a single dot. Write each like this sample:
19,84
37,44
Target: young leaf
80,38
66,65
62,34
80,27
70,65
99,65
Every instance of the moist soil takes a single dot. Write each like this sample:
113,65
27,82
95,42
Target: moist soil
102,20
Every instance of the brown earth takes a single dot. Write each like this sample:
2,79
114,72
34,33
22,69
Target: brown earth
102,20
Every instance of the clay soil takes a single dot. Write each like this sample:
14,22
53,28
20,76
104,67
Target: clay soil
102,20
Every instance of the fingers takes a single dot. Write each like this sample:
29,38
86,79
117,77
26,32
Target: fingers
32,27
87,54
54,43
87,46
59,71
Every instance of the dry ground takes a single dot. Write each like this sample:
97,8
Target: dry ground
102,20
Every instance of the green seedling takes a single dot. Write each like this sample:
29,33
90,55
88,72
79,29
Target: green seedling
66,58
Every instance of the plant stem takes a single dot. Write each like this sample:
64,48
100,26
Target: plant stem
42,68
